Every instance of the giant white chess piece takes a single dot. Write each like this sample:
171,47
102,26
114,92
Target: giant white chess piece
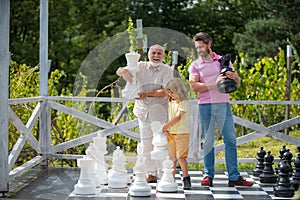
131,89
140,188
96,151
86,185
167,182
159,141
117,175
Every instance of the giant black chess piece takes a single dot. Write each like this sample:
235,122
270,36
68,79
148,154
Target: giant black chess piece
283,187
288,156
268,175
281,152
296,172
260,162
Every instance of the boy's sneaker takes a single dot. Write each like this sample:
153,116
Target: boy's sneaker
239,182
187,183
207,181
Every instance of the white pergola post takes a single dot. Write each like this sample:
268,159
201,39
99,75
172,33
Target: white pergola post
45,119
4,77
289,54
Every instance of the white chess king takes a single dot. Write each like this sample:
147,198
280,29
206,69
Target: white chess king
131,89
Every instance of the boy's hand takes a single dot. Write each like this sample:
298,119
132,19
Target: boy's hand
164,128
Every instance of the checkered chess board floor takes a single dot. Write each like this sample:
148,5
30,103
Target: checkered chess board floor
219,191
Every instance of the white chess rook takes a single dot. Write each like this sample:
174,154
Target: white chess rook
86,184
131,89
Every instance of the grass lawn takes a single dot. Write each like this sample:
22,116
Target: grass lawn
250,149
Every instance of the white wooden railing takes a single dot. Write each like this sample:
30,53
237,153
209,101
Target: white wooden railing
45,150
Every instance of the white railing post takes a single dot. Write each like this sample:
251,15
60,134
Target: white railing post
4,81
45,119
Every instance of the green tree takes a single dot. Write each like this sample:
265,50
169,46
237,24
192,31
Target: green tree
263,35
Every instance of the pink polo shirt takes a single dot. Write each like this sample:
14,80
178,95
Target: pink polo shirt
208,71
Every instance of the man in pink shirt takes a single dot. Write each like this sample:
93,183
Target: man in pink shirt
214,108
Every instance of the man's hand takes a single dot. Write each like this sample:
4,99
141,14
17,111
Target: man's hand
220,78
234,76
125,73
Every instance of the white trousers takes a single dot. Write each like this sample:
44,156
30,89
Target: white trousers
153,167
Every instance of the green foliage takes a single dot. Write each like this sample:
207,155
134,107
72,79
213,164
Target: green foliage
24,82
266,80
270,30
132,32
184,75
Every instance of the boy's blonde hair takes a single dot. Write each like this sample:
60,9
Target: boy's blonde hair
177,86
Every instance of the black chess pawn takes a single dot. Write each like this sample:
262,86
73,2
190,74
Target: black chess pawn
283,187
288,156
268,175
281,152
260,162
296,172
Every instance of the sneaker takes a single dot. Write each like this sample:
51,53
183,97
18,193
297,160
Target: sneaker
187,183
239,182
207,181
151,179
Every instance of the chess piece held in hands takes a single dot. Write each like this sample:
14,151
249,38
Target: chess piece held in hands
131,89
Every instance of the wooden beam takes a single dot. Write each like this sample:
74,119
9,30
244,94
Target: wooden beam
4,94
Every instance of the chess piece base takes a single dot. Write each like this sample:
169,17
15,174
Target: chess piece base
164,186
85,187
280,191
167,187
257,172
118,181
267,178
140,189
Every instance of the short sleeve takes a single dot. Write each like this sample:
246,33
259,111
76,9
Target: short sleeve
193,69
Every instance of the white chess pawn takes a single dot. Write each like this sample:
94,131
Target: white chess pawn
117,175
131,89
167,183
140,188
159,141
86,184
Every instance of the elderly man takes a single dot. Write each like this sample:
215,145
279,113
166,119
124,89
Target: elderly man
152,76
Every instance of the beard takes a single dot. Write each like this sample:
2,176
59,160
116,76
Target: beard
205,53
155,64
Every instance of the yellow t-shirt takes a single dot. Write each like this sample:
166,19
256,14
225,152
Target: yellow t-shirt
183,126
